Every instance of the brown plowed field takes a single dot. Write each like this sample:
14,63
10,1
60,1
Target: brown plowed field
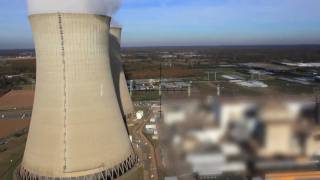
166,73
10,127
17,98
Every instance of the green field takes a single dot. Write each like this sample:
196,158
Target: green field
145,95
12,157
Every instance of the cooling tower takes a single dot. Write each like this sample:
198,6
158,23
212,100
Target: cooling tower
118,75
76,129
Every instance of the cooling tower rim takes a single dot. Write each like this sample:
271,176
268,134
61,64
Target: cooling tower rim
116,27
117,171
63,13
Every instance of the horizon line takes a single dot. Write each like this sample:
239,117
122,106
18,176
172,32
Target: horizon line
174,46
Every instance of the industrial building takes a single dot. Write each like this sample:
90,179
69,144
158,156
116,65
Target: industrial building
242,136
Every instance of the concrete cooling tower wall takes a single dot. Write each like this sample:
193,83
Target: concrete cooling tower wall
118,75
76,128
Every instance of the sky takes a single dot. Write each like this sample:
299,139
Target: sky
191,22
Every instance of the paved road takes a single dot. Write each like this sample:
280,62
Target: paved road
19,115
146,149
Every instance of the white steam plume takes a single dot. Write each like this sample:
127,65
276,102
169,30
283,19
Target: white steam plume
99,7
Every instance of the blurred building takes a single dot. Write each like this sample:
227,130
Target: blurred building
217,136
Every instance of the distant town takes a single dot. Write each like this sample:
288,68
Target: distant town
261,68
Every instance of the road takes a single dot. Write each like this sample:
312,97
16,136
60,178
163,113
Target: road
145,148
15,115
